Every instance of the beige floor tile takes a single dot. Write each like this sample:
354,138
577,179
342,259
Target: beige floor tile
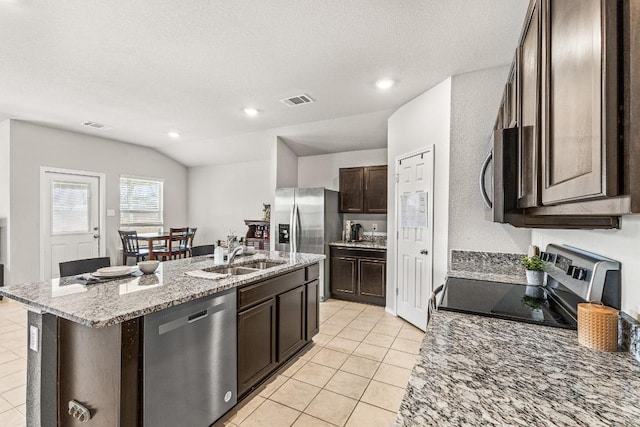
331,358
390,330
4,405
12,418
352,334
343,345
20,352
368,317
360,366
370,352
314,374
17,396
384,396
411,333
13,344
294,367
22,409
13,366
274,384
361,325
322,339
20,334
346,315
312,351
390,320
370,416
378,339
9,326
295,394
9,382
305,420
330,329
7,355
335,303
336,321
393,375
400,358
407,346
331,407
347,384
245,409
271,414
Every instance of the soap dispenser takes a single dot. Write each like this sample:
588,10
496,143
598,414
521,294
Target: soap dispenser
218,255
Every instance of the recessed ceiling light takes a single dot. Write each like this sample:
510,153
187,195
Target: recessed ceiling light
250,111
173,134
384,83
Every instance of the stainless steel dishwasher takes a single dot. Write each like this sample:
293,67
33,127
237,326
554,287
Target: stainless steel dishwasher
190,362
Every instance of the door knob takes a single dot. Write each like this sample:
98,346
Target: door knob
96,236
424,252
95,228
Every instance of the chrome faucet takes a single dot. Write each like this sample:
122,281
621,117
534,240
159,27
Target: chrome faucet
233,253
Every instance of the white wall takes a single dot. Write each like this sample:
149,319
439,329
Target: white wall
4,193
622,245
33,146
422,122
221,197
475,98
322,170
286,166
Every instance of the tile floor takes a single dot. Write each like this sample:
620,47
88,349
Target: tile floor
354,374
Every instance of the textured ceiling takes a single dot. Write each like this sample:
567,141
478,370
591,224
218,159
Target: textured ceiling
147,67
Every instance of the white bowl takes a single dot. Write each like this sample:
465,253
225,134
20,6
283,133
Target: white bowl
148,267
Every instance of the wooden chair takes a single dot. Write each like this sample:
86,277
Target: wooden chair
177,245
189,245
80,266
130,246
202,250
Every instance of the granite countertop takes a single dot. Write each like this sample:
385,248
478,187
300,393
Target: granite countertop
491,266
364,244
480,371
108,303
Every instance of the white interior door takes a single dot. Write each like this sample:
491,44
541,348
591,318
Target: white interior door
414,221
70,220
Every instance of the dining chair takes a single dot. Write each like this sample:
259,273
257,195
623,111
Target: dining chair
189,245
130,246
80,266
177,245
202,250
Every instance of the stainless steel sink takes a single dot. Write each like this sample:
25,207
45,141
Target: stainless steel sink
234,271
263,265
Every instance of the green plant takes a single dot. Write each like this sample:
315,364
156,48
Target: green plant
533,263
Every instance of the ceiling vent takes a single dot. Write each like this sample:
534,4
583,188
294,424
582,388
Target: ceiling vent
294,101
96,125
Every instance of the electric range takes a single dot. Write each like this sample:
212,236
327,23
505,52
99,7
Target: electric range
572,276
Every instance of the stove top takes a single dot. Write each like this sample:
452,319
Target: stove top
506,301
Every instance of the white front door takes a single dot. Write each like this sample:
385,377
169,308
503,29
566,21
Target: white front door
414,221
70,219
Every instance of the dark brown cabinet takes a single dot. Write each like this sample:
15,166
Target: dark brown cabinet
359,275
363,189
276,318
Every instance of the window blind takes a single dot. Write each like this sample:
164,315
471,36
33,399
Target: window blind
140,202
70,207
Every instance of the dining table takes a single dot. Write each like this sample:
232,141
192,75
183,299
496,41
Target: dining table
150,238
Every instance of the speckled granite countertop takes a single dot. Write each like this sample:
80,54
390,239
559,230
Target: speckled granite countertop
108,303
360,245
479,371
491,266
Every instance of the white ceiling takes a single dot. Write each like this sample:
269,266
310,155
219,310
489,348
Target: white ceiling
147,67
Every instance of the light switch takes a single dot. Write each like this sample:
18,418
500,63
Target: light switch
111,212
33,338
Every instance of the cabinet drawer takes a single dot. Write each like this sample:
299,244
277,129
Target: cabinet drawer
360,253
261,291
312,272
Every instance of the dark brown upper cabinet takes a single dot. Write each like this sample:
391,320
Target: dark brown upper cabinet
363,189
580,101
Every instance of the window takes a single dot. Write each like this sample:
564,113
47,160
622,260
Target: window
70,207
141,204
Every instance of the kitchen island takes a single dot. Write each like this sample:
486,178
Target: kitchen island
92,343
480,371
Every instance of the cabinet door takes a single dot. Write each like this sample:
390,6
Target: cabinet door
529,64
313,318
372,278
579,158
292,324
256,344
351,189
375,189
343,275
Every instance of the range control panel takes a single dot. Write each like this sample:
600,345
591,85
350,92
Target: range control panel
566,264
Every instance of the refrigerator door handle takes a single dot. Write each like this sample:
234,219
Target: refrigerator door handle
295,228
291,229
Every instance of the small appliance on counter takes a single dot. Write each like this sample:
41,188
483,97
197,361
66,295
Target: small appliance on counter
573,276
355,232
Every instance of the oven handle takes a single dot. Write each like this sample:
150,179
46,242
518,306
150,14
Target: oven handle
483,189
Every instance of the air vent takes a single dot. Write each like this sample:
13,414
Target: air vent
294,101
96,125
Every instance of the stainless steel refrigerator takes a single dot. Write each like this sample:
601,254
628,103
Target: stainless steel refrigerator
307,220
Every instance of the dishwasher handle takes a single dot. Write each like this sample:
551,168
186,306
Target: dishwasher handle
197,316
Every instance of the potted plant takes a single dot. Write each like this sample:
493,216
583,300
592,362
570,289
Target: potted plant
535,270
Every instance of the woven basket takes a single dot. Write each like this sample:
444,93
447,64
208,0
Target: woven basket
598,326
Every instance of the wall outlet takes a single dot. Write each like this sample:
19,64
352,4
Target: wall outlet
374,227
33,337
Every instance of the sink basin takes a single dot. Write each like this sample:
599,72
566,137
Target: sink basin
263,265
234,271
